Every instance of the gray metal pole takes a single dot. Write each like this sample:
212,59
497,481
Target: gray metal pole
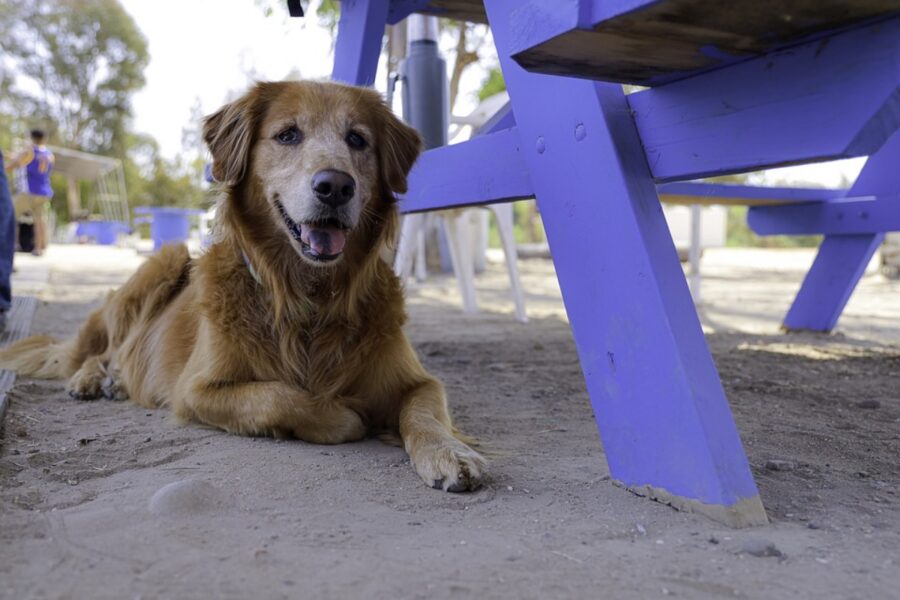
425,86
426,93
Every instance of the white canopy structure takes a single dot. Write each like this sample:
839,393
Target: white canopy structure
111,199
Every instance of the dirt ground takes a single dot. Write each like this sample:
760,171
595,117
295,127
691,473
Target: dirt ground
85,511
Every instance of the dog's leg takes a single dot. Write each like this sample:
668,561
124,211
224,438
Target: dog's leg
440,459
270,408
86,383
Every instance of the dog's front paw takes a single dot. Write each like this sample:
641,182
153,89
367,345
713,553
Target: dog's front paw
451,466
85,384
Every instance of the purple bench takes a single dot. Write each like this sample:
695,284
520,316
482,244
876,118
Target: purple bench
730,89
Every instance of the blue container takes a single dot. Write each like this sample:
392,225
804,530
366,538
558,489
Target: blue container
104,233
168,225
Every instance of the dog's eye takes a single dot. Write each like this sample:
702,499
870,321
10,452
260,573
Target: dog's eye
356,141
290,136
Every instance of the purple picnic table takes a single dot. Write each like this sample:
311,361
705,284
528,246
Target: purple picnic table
730,87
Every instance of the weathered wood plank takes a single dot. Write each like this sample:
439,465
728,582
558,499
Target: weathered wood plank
19,324
650,42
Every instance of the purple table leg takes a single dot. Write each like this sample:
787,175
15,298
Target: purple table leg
358,45
664,421
842,259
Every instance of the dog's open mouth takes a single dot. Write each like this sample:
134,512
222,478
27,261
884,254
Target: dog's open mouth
322,240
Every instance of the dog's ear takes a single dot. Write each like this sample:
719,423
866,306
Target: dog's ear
399,147
229,135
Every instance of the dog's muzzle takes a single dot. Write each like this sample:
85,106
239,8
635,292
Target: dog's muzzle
322,240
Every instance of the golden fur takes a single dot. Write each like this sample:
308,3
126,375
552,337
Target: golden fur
299,349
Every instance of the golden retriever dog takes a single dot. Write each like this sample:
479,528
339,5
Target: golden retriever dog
290,325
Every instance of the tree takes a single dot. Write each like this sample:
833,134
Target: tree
192,132
470,38
81,60
492,84
71,68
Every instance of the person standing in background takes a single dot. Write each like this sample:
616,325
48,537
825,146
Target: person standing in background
38,163
7,245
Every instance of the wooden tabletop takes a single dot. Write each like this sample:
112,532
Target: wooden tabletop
647,42
666,40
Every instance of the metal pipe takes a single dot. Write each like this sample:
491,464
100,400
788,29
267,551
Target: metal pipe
421,27
425,87
426,90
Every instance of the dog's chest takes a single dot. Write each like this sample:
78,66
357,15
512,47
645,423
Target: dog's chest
323,358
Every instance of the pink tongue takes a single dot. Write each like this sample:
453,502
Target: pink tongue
323,240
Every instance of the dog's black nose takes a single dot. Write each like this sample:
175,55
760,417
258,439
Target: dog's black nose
334,188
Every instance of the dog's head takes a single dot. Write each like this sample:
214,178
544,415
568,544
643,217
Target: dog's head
325,156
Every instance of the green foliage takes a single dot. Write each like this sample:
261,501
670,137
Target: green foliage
172,183
492,84
58,203
153,180
328,14
84,60
9,132
71,67
527,225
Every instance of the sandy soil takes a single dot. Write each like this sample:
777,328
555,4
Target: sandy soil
85,511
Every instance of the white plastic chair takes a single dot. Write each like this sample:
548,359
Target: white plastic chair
457,225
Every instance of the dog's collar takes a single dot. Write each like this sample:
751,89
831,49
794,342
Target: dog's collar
250,268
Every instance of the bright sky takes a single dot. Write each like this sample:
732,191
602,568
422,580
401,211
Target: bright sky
212,49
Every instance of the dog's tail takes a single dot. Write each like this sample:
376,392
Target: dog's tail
39,356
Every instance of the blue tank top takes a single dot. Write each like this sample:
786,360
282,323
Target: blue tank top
38,171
